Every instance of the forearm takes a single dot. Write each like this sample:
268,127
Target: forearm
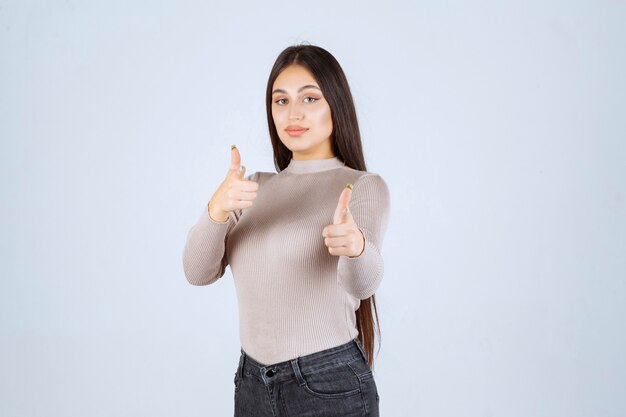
204,259
361,276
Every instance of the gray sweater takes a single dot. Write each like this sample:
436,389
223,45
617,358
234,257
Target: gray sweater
295,298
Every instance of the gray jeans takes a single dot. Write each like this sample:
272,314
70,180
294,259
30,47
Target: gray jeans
333,382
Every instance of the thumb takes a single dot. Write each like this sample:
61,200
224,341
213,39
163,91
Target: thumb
341,212
235,162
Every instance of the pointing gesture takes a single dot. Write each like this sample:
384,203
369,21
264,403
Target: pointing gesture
235,192
344,237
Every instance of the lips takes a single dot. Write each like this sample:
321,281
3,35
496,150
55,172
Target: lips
292,128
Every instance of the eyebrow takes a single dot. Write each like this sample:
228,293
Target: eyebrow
280,90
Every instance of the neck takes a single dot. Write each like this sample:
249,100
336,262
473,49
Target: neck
305,166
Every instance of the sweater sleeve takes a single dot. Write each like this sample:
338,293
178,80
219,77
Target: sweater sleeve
369,204
204,254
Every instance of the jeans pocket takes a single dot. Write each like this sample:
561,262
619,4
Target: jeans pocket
337,381
362,368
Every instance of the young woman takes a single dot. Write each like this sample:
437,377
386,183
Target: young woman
304,246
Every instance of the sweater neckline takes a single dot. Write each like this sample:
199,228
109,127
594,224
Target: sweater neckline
305,166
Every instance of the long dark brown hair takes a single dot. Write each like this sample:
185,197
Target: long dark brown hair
346,143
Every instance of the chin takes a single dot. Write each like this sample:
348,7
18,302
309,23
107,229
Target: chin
298,144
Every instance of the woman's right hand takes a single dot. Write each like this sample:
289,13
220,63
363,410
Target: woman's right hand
234,192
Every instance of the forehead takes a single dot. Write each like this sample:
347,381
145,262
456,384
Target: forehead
294,77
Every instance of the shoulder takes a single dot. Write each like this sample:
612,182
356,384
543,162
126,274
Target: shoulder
259,176
367,180
372,179
367,186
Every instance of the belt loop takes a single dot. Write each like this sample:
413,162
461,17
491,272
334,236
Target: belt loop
241,362
296,370
358,344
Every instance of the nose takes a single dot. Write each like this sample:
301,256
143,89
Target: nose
295,112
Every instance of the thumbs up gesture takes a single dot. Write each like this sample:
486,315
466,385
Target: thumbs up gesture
235,192
344,237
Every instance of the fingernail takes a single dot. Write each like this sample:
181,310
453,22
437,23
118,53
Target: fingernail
349,185
232,147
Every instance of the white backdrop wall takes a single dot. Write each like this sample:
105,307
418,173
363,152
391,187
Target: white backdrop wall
500,129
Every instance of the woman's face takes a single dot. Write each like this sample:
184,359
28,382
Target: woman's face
298,103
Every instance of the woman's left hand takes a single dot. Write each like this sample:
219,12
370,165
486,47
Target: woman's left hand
344,237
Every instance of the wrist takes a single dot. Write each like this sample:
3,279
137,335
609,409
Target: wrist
362,250
216,214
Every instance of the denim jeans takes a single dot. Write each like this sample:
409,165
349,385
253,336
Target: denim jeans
333,382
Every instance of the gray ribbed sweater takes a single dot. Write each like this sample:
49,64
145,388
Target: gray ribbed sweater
295,298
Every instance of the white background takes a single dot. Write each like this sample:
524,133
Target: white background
499,128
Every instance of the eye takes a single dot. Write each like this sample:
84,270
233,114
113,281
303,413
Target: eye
312,98
277,101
